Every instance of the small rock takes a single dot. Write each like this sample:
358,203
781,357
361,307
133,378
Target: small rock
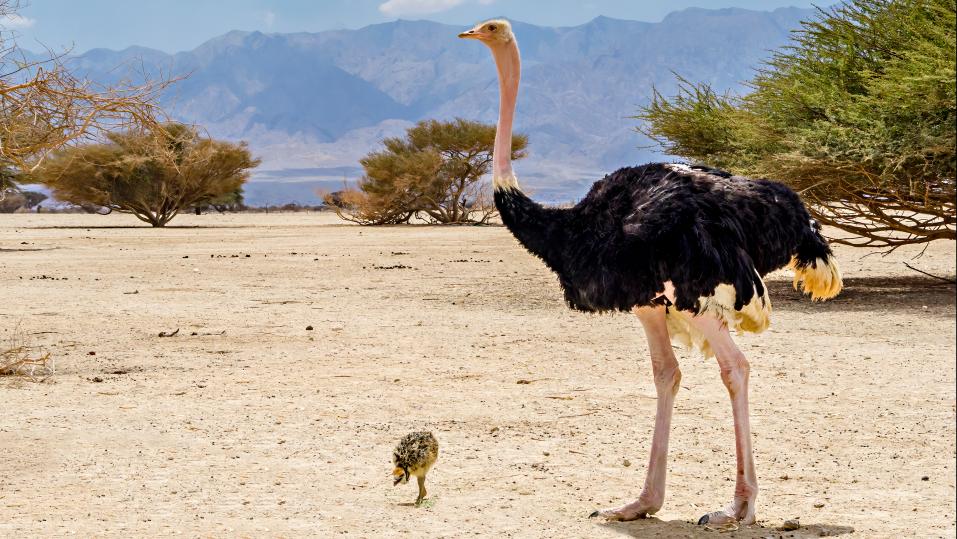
791,525
493,431
97,379
626,463
546,453
925,478
523,381
309,328
91,353
818,505
784,477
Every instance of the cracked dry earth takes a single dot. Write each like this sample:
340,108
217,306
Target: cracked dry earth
247,424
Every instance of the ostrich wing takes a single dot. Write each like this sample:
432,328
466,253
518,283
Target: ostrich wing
691,230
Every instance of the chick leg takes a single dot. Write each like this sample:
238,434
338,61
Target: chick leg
421,497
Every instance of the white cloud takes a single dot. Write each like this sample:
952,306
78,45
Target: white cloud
269,19
397,8
17,21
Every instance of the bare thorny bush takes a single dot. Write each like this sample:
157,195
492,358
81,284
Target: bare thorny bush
45,106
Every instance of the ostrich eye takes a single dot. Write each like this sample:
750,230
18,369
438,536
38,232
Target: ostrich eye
492,27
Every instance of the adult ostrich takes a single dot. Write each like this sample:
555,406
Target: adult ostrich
684,248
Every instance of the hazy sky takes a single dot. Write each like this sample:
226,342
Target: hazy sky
176,25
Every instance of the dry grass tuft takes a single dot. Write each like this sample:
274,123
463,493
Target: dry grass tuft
19,358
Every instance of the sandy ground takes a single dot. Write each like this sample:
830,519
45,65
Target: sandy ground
247,424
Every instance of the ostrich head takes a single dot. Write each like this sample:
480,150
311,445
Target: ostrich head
492,33
497,35
400,475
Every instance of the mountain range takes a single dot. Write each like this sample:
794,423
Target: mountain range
311,104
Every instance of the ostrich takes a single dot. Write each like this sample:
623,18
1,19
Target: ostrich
414,457
684,248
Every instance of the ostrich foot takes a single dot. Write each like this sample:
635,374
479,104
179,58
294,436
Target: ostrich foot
632,511
741,511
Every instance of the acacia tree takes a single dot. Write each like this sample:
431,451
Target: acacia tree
152,174
858,115
434,173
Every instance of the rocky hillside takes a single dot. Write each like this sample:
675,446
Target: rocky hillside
311,104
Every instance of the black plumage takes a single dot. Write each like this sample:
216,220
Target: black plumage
640,227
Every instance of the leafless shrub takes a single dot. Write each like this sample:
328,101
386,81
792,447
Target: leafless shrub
18,357
44,105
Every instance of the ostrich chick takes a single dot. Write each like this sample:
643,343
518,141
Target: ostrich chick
414,456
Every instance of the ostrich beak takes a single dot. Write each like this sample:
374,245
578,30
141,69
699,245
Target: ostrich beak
469,34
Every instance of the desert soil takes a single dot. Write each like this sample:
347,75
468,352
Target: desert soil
246,423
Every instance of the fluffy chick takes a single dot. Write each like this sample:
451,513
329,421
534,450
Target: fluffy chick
414,456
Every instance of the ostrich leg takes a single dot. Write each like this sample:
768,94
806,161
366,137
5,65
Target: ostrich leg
735,372
667,377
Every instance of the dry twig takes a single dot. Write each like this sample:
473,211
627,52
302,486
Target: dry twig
18,358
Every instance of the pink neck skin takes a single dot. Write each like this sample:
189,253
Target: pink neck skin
509,72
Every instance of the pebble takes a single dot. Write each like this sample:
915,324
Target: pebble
791,525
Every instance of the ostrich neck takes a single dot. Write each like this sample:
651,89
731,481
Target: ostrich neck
540,230
509,66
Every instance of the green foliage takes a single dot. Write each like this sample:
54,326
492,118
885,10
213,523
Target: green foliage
434,173
858,114
151,174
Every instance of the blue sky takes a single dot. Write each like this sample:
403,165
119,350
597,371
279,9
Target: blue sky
176,25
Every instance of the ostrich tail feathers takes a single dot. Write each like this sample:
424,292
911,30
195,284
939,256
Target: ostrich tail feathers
820,278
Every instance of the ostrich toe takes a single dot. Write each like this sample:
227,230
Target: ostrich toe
739,512
632,511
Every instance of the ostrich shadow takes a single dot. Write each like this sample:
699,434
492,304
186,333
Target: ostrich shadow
655,527
870,294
